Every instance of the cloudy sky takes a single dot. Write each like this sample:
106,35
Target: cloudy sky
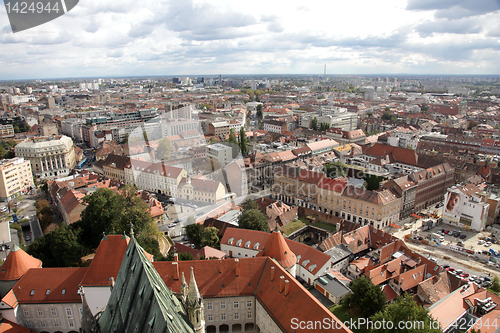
100,38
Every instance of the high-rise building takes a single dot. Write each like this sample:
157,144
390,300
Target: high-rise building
15,177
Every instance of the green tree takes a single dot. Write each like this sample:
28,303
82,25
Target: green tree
495,285
125,140
389,116
16,129
314,124
182,256
59,248
253,219
232,137
195,233
111,213
404,310
324,127
44,213
243,142
260,114
335,169
146,137
365,298
472,124
164,149
210,237
249,204
150,245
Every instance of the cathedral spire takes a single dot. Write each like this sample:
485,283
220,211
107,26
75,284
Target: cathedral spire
194,306
184,289
193,294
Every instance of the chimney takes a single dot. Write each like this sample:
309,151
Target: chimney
237,262
176,270
287,287
176,256
272,273
282,283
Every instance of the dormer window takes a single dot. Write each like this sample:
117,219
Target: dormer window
32,292
256,246
47,292
230,241
247,244
238,243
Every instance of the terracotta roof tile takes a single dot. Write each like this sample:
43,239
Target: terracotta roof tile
50,285
17,263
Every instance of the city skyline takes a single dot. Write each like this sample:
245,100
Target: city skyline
104,39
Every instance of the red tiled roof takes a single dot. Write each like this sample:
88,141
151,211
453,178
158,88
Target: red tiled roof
6,326
390,294
50,285
215,278
17,263
106,262
277,248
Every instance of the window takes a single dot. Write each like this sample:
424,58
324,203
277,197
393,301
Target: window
56,323
209,306
223,316
210,317
249,304
69,312
26,312
249,315
42,323
28,323
40,312
236,305
236,316
47,292
71,323
81,312
222,305
53,312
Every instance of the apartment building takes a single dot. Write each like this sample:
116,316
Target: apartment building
329,195
297,186
219,129
49,156
6,130
375,208
154,177
275,126
432,184
203,190
220,152
405,188
15,177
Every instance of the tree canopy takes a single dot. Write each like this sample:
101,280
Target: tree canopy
249,204
365,298
201,236
389,116
243,142
108,212
314,124
59,248
253,219
164,149
402,312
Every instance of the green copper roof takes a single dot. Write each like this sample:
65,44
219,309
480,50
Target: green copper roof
140,301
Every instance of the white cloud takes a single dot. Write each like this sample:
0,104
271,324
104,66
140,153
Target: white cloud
103,37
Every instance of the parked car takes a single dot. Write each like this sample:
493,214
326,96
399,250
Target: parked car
487,244
464,275
446,266
28,238
447,232
481,242
450,269
459,271
440,205
487,278
171,225
463,236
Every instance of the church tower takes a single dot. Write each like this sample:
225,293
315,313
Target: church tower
194,305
